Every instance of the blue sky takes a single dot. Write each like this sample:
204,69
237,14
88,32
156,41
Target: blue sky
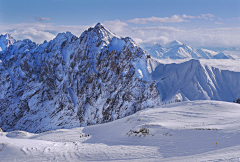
195,22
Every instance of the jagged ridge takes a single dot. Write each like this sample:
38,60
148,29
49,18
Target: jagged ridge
71,81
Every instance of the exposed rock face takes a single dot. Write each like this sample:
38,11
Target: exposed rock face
71,81
6,41
237,101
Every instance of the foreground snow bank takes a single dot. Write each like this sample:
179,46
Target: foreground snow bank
186,131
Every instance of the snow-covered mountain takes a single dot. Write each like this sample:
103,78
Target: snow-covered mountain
222,56
96,78
156,50
193,80
71,81
6,41
178,50
174,43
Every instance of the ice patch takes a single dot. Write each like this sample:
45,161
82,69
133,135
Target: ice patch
141,69
73,97
116,44
139,74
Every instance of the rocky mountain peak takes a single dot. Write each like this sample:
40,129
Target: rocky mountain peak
157,45
5,41
7,36
70,81
98,26
64,35
98,35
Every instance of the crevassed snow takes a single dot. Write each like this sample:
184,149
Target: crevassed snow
186,131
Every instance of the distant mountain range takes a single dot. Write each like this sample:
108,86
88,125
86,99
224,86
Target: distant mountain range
178,50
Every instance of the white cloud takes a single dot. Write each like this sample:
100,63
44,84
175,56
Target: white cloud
235,18
219,23
218,37
38,32
42,18
206,16
116,26
173,19
188,16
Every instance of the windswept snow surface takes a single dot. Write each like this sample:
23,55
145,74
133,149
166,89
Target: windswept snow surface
186,131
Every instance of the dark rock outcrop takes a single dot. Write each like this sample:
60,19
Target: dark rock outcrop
237,100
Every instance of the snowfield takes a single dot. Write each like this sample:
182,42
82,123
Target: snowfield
184,131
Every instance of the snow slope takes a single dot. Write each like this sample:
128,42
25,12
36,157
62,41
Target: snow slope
186,131
194,80
156,50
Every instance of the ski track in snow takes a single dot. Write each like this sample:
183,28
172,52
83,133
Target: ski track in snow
186,131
